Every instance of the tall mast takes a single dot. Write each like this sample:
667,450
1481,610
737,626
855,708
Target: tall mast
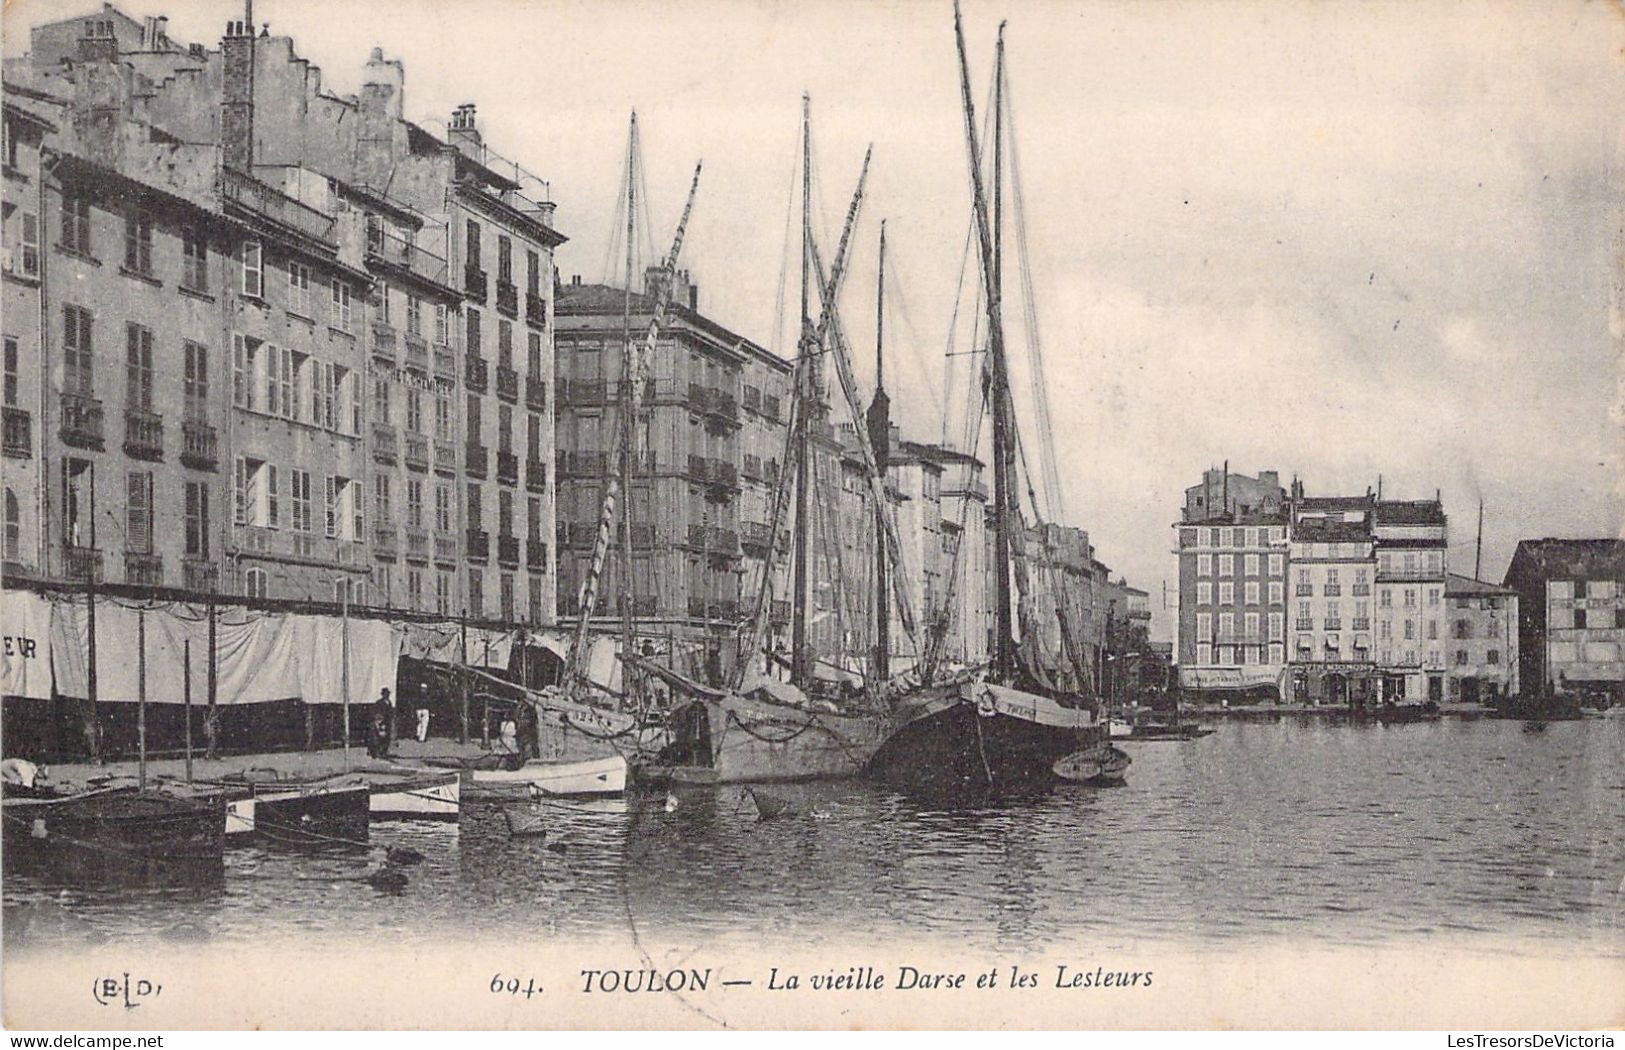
1006,513
998,164
1478,551
628,406
800,671
880,441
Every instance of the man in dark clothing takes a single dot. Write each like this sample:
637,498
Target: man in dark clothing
383,713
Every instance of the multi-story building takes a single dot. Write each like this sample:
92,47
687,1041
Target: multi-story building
29,117
1411,538
1483,653
1571,615
1332,567
713,438
1232,548
965,538
312,266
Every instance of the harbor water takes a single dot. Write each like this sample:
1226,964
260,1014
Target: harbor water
1295,829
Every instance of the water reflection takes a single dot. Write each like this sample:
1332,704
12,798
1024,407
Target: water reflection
1348,834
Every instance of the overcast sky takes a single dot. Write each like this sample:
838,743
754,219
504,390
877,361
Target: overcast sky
1335,240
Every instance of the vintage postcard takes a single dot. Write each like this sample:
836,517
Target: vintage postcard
553,514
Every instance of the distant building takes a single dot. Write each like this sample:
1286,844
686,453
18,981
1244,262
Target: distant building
702,497
1232,583
1571,615
1333,565
1483,653
1411,540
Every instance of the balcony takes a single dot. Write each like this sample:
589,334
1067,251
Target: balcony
507,468
752,468
1333,590
1362,590
507,298
445,363
474,376
713,472
143,569
1304,590
19,433
417,544
508,549
536,475
535,554
535,310
1334,625
445,457
445,547
507,383
384,343
82,421
143,434
479,544
583,391
384,445
713,538
386,247
82,563
198,445
536,393
417,354
582,464
476,459
417,452
246,192
1362,624
756,535
383,539
474,282
718,405
713,609
575,533
1305,625
197,574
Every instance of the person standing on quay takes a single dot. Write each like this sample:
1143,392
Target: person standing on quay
423,712
383,713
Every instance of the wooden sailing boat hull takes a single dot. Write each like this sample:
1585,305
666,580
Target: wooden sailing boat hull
595,777
977,740
120,835
742,740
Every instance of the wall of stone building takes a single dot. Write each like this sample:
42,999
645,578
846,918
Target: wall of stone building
1592,655
1476,630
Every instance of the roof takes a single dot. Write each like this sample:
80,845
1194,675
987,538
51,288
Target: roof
1250,518
1588,559
1456,586
1334,502
603,300
1322,530
1410,512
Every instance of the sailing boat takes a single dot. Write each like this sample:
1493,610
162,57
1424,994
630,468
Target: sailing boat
588,747
1006,730
762,728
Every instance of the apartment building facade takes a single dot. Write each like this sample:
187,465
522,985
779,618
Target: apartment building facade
1483,652
1571,616
1332,571
327,275
1412,540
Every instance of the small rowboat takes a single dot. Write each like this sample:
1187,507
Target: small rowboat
1080,767
598,776
435,796
525,819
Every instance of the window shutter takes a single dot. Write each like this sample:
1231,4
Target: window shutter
240,491
271,509
138,512
330,502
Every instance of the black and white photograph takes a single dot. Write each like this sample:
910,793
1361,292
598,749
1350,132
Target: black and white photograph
922,514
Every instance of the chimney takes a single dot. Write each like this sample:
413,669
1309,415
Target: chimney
101,93
464,132
237,97
161,32
379,119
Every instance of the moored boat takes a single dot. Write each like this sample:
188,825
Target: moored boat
599,776
435,796
977,738
122,834
301,813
